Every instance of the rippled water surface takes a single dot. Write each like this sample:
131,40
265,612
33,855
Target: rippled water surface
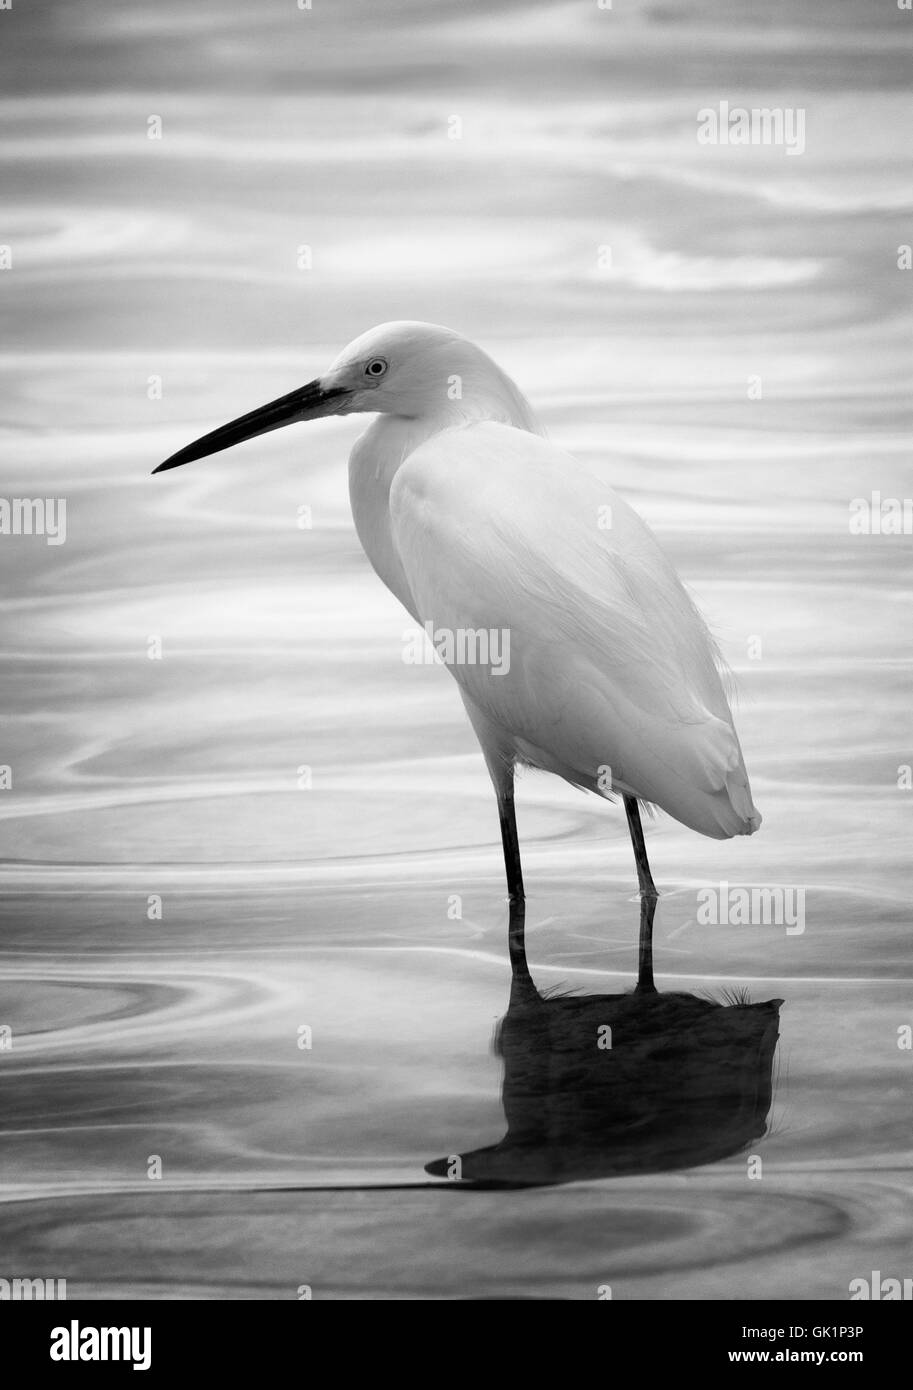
287,993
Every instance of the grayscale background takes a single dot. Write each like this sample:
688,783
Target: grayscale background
157,287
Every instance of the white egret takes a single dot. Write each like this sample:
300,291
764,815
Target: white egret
479,525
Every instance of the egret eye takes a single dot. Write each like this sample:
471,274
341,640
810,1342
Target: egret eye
376,367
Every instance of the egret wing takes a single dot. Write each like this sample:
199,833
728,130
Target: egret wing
599,666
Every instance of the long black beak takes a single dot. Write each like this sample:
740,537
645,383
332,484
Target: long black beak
307,403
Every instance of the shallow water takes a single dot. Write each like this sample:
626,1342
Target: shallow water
368,907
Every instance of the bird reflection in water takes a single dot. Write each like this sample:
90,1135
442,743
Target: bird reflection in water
607,1085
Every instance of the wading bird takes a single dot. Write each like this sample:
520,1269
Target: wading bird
477,523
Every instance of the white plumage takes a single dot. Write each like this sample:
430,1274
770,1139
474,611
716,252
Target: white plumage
611,666
475,521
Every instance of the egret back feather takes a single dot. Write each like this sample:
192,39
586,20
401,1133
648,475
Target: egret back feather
614,682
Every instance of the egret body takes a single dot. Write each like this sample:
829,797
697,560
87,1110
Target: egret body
479,524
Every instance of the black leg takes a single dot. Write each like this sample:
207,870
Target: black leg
648,897
522,989
511,845
645,983
644,877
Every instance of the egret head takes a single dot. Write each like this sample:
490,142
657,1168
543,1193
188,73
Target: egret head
399,368
403,368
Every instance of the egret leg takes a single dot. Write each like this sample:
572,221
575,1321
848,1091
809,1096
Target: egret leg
499,759
644,877
645,983
510,842
648,897
522,989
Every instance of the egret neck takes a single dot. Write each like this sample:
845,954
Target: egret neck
379,453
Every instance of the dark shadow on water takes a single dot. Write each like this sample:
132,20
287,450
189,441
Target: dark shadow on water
609,1085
